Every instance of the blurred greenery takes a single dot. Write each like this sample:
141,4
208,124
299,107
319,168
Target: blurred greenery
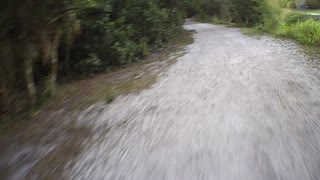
43,42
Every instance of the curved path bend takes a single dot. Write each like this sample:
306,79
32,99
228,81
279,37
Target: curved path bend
233,107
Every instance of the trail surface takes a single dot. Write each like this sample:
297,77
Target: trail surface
233,107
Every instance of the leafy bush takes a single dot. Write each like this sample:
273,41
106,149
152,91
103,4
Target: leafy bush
313,4
236,11
90,65
307,32
295,17
120,32
286,3
270,14
245,11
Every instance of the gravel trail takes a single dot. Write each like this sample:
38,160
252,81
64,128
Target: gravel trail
233,107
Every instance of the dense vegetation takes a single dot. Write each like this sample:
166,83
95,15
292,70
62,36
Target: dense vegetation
313,4
297,25
300,27
247,12
44,41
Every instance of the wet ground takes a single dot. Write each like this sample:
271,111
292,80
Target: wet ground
233,107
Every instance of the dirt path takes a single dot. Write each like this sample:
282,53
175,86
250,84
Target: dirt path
233,107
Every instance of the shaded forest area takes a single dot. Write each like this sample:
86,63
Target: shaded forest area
43,42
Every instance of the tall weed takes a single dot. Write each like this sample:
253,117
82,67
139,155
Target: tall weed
307,32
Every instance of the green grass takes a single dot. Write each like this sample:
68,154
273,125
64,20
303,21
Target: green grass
252,31
307,32
296,25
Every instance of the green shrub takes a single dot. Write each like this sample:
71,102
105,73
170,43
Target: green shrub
90,65
295,17
313,4
307,32
285,3
120,32
245,11
270,14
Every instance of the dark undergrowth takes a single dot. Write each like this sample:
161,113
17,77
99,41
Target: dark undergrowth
75,95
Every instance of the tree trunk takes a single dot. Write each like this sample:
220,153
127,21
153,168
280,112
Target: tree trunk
51,80
7,75
67,58
49,43
29,58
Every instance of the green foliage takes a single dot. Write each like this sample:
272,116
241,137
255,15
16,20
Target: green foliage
90,65
307,32
237,11
295,17
44,40
120,32
270,14
245,11
218,8
313,4
286,3
295,25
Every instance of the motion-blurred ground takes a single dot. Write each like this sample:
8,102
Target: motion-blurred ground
233,107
